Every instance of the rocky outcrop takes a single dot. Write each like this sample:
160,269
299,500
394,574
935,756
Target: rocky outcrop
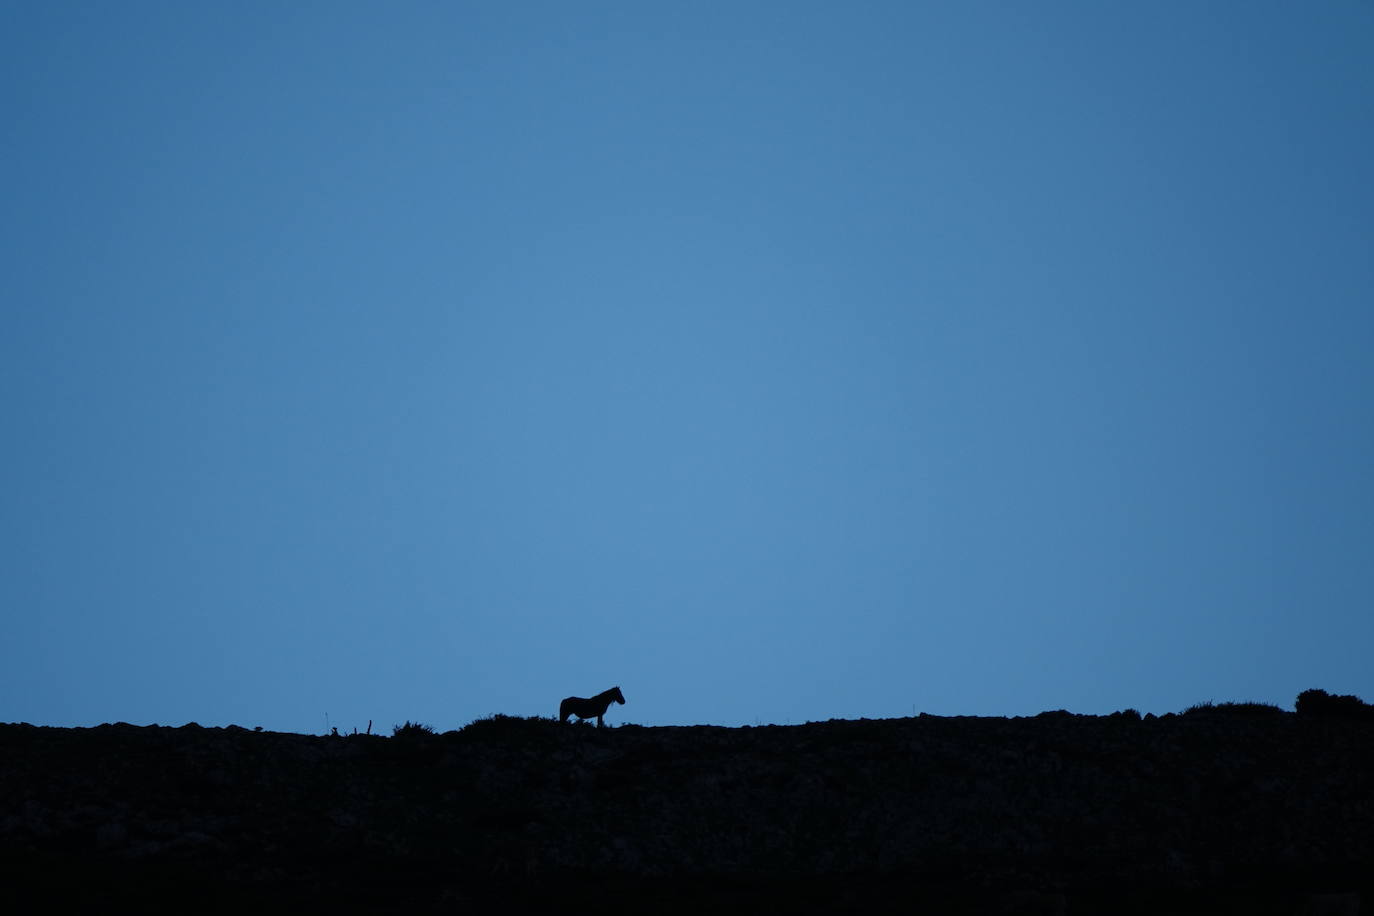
983,814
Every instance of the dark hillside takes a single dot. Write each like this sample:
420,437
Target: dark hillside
1221,808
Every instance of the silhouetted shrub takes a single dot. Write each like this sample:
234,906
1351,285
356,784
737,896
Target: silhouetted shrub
1320,704
500,723
411,730
1132,715
1233,709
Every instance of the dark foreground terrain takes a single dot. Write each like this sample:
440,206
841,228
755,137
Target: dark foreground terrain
1215,811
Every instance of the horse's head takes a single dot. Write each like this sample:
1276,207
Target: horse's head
617,696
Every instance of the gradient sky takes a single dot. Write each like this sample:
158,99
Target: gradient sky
774,361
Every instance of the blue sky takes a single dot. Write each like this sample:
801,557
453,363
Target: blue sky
774,361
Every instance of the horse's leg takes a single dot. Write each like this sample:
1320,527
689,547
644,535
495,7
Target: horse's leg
599,722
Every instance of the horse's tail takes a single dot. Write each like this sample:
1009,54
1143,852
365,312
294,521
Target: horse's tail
563,710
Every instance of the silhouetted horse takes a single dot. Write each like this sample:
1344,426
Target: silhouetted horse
596,706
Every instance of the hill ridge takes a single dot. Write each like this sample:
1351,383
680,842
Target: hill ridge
1057,803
